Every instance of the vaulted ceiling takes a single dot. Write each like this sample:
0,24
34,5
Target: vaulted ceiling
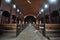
29,9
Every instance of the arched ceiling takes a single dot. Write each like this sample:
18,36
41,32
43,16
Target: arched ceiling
29,9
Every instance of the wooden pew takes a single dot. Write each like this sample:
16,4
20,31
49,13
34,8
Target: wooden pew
52,27
52,30
48,26
8,27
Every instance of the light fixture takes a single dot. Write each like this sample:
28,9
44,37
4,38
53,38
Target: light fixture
46,6
8,1
14,6
52,1
29,1
18,10
42,10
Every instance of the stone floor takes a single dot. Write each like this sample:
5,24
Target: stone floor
30,33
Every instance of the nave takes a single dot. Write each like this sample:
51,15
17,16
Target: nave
18,16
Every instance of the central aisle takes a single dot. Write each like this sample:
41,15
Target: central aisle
30,33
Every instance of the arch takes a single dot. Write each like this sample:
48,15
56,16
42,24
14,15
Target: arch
54,16
13,17
5,17
28,15
54,13
30,19
5,14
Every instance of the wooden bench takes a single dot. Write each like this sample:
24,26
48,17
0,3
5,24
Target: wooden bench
10,27
48,26
11,31
52,30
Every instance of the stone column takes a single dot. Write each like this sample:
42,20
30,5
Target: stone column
10,15
36,22
40,21
23,22
19,22
11,19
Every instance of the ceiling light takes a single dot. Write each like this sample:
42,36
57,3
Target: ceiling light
52,1
42,10
14,6
18,10
46,6
29,1
8,1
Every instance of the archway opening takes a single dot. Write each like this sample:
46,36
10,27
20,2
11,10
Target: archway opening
6,14
5,17
30,19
